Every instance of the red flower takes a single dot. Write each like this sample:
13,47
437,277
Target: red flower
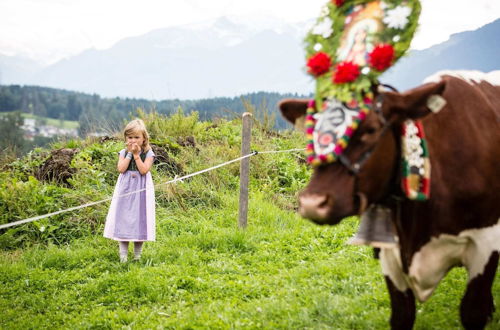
319,63
338,3
381,57
345,72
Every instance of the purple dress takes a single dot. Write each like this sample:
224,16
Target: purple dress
131,215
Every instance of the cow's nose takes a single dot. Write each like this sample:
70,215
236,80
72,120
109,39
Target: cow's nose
314,206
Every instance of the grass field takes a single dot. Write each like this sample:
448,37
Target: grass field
203,272
67,124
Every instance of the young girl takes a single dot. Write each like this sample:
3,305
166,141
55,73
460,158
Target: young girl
131,216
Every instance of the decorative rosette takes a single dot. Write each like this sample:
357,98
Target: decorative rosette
330,129
358,40
416,166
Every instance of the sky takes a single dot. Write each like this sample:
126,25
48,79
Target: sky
48,30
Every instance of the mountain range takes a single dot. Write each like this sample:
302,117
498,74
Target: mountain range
471,50
229,57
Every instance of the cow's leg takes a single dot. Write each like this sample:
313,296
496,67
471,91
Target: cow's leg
402,307
477,304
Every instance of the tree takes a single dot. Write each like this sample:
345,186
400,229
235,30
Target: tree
11,133
8,100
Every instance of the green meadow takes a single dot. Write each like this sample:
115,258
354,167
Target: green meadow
60,123
202,272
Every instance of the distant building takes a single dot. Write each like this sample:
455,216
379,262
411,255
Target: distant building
97,134
31,130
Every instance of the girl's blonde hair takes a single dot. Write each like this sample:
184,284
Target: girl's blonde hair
137,126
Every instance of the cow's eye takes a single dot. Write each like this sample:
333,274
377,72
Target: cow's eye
369,135
370,130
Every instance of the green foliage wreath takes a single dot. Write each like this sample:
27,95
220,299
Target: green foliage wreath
341,79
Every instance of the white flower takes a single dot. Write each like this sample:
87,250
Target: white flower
324,28
398,17
42,229
365,70
396,38
318,47
325,11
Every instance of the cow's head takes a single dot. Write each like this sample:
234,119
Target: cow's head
370,162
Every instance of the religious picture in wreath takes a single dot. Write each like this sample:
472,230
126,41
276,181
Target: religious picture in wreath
358,36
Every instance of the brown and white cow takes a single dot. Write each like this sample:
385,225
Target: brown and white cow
459,224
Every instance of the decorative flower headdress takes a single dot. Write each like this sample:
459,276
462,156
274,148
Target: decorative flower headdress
351,44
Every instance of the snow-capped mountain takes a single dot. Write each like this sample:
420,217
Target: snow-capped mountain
17,70
223,57
230,57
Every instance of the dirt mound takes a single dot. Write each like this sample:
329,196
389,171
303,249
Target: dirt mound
213,126
165,163
57,166
106,138
187,141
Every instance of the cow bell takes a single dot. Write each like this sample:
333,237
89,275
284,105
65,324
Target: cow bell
376,228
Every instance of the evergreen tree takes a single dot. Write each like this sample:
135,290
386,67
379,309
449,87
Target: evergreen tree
11,133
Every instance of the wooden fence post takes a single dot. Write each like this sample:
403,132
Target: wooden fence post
246,134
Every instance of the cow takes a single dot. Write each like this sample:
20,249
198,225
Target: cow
459,223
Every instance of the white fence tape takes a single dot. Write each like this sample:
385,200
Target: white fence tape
20,222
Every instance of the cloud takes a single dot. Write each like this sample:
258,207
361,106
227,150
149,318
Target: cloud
440,19
46,29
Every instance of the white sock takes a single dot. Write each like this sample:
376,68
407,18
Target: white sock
123,251
137,250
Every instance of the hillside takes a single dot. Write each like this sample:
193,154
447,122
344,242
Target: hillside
95,113
202,272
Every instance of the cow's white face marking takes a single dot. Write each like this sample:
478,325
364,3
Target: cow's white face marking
472,77
471,248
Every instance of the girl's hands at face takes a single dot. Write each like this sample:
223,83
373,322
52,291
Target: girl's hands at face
129,146
136,149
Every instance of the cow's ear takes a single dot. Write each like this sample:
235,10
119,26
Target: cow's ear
416,103
293,109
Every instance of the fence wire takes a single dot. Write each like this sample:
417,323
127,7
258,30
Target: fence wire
39,217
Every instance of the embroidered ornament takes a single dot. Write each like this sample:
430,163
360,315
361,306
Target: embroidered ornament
415,161
329,130
361,39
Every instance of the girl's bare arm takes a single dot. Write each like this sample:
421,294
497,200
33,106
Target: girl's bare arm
145,166
123,163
